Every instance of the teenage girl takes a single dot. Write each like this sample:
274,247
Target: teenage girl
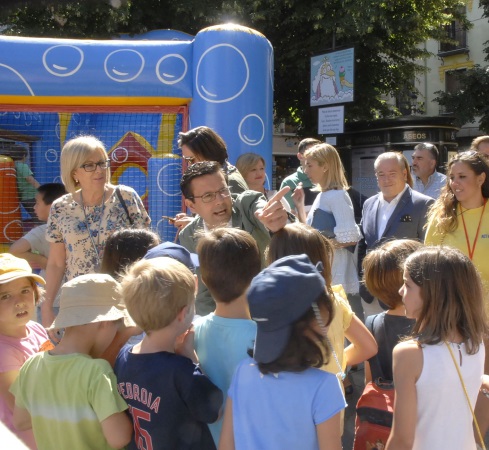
442,292
280,399
20,337
297,238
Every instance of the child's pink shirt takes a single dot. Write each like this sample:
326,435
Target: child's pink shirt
13,353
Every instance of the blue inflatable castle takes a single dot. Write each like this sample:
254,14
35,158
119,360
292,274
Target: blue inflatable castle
136,95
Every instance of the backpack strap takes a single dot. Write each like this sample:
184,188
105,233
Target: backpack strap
123,204
375,367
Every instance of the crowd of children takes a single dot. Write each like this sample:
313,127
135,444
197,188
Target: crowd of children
135,368
263,350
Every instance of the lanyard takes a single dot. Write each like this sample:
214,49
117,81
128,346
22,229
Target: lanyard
472,250
95,247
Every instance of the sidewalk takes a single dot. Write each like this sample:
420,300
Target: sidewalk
357,381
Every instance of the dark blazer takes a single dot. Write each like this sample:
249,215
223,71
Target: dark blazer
406,222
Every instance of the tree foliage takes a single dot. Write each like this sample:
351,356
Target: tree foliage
470,103
386,34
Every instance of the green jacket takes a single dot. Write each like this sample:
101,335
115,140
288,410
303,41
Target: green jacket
243,216
236,182
292,181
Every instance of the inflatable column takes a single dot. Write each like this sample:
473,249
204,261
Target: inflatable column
10,224
233,88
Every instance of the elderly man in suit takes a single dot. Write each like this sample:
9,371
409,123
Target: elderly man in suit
396,212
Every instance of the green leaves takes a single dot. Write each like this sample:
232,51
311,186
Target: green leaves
470,102
387,36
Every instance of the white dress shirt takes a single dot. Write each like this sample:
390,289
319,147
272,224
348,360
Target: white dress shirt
385,211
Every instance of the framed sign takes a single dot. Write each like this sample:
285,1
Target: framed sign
331,120
332,77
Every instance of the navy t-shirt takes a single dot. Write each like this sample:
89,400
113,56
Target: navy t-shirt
169,399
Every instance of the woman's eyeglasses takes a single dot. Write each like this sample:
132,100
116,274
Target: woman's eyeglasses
92,167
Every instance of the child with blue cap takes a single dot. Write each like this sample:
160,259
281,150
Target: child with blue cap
280,398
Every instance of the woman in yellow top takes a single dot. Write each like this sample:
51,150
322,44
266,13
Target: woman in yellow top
460,216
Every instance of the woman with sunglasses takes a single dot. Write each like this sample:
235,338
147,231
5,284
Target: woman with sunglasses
204,144
81,221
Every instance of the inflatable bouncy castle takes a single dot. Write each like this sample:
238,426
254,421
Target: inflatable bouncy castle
136,95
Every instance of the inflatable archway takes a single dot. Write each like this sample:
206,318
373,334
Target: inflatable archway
136,94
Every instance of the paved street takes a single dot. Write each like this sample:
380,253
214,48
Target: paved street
357,380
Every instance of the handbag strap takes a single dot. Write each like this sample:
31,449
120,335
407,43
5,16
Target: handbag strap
123,203
466,395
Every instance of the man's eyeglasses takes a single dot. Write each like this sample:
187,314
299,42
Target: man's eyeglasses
189,159
211,196
92,167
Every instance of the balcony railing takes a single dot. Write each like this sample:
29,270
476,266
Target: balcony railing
456,33
444,111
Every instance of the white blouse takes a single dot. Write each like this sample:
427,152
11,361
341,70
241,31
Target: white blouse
338,203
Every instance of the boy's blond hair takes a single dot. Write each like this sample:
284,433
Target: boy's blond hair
155,291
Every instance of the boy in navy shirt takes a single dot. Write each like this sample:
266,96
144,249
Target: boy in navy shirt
169,398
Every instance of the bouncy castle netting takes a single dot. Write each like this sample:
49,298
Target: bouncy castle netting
141,143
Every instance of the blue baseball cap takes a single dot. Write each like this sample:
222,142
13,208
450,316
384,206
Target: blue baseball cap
175,251
278,296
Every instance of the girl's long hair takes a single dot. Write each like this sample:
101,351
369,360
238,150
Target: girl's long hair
297,238
305,348
452,294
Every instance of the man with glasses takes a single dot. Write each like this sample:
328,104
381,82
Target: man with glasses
206,192
427,180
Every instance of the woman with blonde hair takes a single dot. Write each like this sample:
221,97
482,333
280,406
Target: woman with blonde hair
81,221
252,167
332,213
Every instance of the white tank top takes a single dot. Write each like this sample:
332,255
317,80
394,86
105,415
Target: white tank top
444,418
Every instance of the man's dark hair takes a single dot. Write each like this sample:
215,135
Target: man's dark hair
306,143
124,247
198,170
205,143
51,191
430,147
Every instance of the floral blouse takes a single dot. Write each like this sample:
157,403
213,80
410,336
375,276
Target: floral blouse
68,224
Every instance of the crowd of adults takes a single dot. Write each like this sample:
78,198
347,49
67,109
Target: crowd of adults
356,243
